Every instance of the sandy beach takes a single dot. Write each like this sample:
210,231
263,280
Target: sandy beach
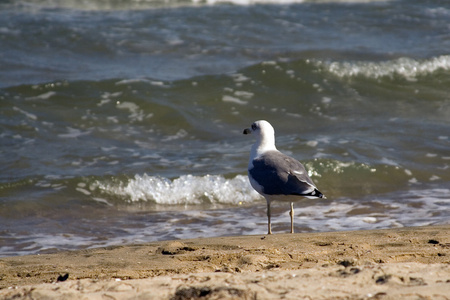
403,263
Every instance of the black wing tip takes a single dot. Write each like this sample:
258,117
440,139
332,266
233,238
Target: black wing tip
317,193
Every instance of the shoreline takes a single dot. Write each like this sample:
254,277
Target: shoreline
351,264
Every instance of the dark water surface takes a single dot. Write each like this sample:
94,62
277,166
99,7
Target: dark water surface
121,121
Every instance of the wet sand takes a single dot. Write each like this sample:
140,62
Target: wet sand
403,263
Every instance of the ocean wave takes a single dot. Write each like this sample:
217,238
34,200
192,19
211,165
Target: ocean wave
148,4
184,190
253,2
217,190
409,208
408,68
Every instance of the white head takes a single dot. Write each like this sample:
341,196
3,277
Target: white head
265,137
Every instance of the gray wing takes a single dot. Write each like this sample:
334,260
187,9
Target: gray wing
280,174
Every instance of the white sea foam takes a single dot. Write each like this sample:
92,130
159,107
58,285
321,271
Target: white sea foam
131,81
387,161
179,135
185,190
406,67
43,96
417,208
227,98
73,133
148,4
244,94
27,114
136,113
253,2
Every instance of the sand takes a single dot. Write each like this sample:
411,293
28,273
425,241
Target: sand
402,263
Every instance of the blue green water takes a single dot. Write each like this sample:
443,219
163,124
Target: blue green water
121,122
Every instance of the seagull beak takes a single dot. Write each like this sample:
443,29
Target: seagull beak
247,131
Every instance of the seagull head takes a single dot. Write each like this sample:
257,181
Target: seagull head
261,127
265,135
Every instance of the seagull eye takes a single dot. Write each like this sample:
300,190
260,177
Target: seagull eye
254,126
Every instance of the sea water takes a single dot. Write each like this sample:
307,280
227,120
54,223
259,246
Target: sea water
121,121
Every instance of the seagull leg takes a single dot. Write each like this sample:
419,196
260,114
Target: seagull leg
269,225
291,213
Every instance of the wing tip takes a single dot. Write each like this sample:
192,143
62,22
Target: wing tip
318,194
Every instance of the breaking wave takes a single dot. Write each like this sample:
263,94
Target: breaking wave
185,190
405,67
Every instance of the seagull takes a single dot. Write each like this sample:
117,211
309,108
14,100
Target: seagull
275,175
